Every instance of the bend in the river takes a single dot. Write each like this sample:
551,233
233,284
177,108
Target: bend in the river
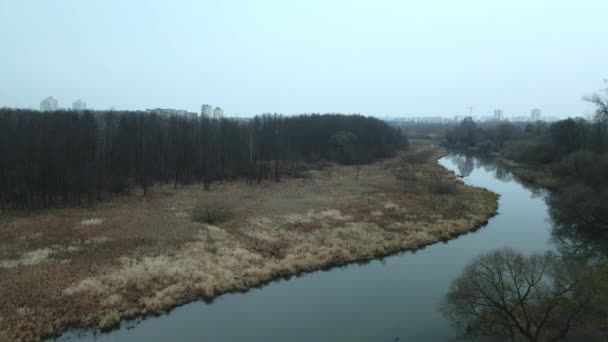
384,300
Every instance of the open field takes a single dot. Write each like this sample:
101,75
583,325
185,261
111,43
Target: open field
135,255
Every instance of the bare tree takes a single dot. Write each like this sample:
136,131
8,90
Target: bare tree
59,158
508,295
600,100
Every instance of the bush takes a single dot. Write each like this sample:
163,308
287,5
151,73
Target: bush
211,211
578,203
442,187
585,166
529,150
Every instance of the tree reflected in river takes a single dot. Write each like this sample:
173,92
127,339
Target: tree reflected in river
507,295
465,165
573,242
468,162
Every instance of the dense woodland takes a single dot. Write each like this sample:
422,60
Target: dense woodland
572,151
64,158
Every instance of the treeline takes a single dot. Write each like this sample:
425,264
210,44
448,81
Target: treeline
537,142
572,151
64,158
424,130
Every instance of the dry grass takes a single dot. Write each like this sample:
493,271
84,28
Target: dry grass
134,256
91,221
211,211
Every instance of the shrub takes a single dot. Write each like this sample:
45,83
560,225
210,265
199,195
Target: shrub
442,187
585,166
211,211
529,150
578,203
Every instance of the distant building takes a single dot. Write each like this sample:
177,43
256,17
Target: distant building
553,118
170,111
535,115
206,111
79,105
498,114
49,104
520,118
218,113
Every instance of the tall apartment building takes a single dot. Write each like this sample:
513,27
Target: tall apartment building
206,111
218,113
49,104
79,105
535,115
498,114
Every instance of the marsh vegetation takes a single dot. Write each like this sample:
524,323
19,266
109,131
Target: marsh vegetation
138,255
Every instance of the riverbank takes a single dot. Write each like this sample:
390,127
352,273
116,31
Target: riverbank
136,256
538,175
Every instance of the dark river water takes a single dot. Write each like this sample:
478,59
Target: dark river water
396,298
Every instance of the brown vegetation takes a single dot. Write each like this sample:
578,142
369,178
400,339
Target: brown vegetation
138,255
539,175
211,211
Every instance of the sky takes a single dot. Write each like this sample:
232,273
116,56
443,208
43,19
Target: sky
375,57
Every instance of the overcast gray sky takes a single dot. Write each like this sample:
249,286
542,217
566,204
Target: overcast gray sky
380,57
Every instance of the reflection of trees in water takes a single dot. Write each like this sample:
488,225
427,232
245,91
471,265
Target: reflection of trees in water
576,240
536,191
486,162
503,173
486,165
573,233
573,242
500,170
468,162
525,298
465,165
580,268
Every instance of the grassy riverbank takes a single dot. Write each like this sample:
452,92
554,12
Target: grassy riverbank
135,256
536,174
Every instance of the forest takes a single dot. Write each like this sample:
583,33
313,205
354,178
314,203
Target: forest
572,152
62,158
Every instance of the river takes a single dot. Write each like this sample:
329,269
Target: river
395,298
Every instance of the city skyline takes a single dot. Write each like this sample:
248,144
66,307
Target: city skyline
217,112
385,58
50,104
